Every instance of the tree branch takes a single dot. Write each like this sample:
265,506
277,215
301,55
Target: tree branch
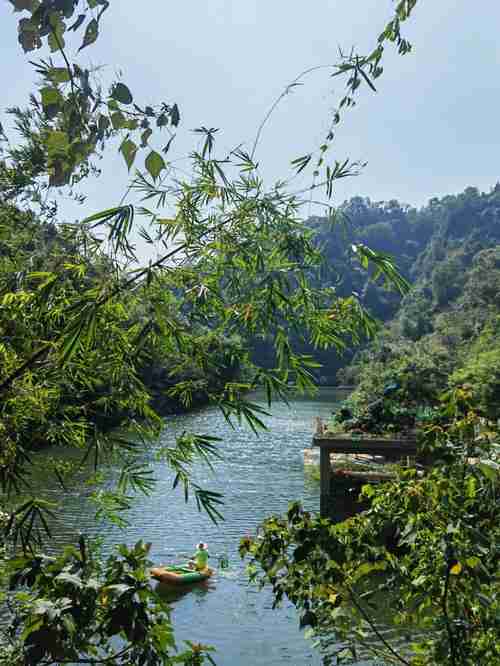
8,381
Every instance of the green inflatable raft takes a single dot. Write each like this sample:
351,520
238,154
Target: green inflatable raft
180,575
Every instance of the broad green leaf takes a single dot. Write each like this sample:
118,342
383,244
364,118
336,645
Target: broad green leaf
155,164
489,468
57,143
122,94
56,38
118,120
364,569
129,150
71,579
29,35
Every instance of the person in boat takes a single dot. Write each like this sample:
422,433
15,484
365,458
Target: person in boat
200,558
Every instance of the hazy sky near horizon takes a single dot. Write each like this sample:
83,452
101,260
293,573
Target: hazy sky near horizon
431,129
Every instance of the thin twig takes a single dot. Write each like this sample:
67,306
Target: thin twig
278,100
63,53
374,628
449,630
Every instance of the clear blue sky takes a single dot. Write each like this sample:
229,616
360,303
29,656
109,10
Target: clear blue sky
432,128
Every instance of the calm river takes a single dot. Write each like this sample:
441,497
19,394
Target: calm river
258,477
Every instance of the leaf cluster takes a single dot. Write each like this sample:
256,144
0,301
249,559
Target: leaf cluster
74,608
423,557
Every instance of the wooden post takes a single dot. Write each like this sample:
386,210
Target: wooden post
324,473
390,449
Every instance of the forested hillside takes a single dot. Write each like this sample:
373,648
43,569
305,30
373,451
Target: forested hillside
446,330
448,251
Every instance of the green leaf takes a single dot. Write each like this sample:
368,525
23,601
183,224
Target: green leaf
103,123
364,569
58,75
57,143
29,35
129,150
122,94
300,163
104,215
51,97
56,39
420,580
72,342
118,120
91,34
155,164
162,120
145,136
70,579
489,468
175,115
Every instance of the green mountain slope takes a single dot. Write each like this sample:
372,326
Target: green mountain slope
446,330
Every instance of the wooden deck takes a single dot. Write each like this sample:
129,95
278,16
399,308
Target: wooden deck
395,449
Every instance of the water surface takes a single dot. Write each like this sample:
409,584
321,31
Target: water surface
259,477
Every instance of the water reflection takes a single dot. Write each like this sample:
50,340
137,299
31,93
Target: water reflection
173,593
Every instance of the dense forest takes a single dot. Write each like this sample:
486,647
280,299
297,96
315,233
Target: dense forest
444,332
